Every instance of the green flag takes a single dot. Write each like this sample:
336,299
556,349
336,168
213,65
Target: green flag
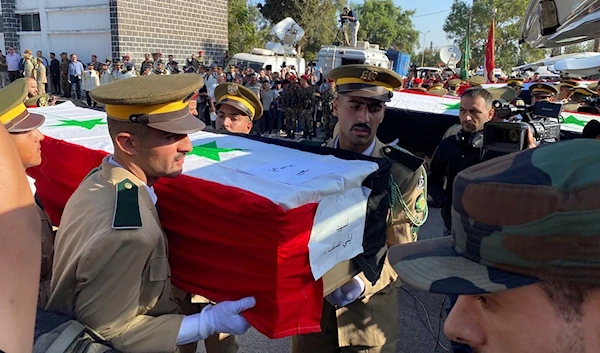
464,63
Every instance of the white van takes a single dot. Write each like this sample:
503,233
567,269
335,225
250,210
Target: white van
268,60
331,56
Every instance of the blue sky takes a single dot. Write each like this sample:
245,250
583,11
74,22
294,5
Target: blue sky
430,16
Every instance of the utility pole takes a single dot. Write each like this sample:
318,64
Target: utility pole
423,46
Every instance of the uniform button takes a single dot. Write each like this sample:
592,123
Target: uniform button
388,150
128,186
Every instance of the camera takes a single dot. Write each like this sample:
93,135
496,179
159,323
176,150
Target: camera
542,118
343,20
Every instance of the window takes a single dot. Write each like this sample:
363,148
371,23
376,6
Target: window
30,22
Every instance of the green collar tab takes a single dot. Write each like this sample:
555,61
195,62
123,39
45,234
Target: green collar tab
127,209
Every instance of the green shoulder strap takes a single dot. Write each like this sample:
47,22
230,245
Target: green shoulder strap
127,208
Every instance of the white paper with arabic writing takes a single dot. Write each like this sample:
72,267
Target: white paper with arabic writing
338,229
293,171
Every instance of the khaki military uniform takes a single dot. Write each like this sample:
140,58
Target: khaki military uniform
64,77
111,268
370,324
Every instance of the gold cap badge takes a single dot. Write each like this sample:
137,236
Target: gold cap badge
232,89
369,76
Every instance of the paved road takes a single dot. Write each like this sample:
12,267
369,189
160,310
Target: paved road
415,335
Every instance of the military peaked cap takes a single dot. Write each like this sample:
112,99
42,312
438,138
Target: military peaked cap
366,81
159,101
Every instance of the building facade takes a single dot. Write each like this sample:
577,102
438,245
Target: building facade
114,28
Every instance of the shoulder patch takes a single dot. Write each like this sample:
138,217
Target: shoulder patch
403,157
127,209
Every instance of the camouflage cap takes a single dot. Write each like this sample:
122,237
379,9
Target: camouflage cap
516,220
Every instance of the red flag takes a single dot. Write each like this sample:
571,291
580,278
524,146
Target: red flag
489,55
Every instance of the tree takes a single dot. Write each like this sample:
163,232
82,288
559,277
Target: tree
509,18
318,18
430,59
384,23
247,29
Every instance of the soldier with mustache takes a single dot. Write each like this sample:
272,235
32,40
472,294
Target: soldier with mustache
361,316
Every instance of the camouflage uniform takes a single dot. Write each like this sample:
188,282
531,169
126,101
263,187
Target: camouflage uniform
64,77
290,103
329,120
307,109
519,219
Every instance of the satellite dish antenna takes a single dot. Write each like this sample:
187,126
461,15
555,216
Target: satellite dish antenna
450,55
289,34
277,48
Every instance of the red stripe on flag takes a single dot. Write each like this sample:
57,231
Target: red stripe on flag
490,64
225,243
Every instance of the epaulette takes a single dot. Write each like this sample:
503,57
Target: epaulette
127,209
403,157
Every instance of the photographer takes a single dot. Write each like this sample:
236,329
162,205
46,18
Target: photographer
351,17
459,152
465,149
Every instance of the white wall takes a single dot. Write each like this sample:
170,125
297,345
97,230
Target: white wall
82,45
34,4
83,31
78,20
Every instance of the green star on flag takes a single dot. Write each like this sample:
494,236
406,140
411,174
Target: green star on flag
573,120
86,124
211,151
455,106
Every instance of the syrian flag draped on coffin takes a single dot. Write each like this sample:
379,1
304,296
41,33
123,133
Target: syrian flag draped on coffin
246,217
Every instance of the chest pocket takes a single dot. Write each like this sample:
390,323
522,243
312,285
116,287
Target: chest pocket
155,285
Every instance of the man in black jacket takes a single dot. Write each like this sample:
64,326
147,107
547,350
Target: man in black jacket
461,151
55,73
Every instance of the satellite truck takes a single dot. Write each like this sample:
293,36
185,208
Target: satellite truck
275,55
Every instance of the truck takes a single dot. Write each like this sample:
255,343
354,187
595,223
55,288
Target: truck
400,62
267,59
332,56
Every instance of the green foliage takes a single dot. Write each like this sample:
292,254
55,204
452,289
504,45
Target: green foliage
247,28
384,23
509,19
431,58
318,18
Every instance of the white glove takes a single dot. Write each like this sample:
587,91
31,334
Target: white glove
224,317
347,293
